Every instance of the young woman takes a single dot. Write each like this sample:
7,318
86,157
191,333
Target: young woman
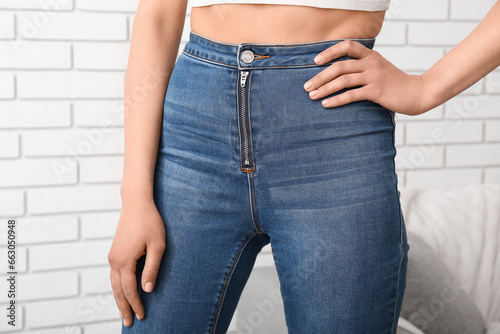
241,152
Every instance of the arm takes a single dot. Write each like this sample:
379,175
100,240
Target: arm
469,61
154,46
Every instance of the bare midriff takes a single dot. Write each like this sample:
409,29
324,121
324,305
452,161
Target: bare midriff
287,24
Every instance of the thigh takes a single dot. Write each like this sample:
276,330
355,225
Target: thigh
203,199
327,191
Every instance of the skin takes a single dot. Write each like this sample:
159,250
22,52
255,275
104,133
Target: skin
155,41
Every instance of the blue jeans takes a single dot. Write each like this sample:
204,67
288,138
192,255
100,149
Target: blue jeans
245,159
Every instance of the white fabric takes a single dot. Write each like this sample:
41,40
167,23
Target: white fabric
367,5
463,226
408,327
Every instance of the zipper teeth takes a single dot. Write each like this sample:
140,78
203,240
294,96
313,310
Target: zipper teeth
243,117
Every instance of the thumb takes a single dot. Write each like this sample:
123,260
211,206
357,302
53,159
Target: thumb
150,271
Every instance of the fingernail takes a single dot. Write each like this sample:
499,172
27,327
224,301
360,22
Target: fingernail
313,93
308,85
325,103
126,322
121,315
318,59
137,316
149,287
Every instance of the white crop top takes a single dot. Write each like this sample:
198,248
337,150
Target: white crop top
364,5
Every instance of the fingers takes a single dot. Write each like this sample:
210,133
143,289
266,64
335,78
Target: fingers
349,96
120,299
129,286
343,81
332,72
153,259
348,47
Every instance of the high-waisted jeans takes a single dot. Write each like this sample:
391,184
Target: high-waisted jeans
247,158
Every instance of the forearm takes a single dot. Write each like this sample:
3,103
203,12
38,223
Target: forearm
473,58
154,47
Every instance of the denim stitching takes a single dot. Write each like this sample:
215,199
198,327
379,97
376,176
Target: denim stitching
250,76
361,40
254,205
208,60
228,278
401,249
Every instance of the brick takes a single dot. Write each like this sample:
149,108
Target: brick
6,328
73,142
91,113
418,10
73,199
492,130
101,56
101,169
447,131
392,33
438,33
45,286
9,144
21,265
99,225
34,114
108,5
69,255
433,114
11,203
96,280
7,30
6,86
399,134
421,156
73,329
68,26
24,54
412,58
37,4
492,82
76,311
71,85
47,229
113,327
37,172
485,154
443,177
473,107
470,10
492,175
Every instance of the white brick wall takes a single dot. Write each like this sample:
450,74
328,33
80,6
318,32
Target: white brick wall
62,74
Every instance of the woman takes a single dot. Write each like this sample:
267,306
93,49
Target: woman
240,152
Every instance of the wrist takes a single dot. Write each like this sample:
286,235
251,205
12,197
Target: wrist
136,192
430,95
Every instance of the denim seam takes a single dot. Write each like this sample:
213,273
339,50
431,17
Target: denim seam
254,205
256,67
208,60
226,283
289,45
250,117
401,250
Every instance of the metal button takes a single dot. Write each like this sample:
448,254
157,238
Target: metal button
247,56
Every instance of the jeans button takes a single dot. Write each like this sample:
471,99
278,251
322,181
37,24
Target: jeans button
247,56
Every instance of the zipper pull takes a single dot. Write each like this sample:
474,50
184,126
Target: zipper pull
244,75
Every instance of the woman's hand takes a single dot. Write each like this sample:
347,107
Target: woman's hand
140,231
381,81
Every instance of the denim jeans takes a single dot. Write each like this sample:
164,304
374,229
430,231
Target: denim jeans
245,159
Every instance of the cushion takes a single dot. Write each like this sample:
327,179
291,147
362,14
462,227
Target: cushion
434,301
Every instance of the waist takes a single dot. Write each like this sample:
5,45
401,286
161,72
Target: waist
271,23
259,56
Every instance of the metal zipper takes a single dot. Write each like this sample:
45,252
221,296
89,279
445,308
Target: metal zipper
246,144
